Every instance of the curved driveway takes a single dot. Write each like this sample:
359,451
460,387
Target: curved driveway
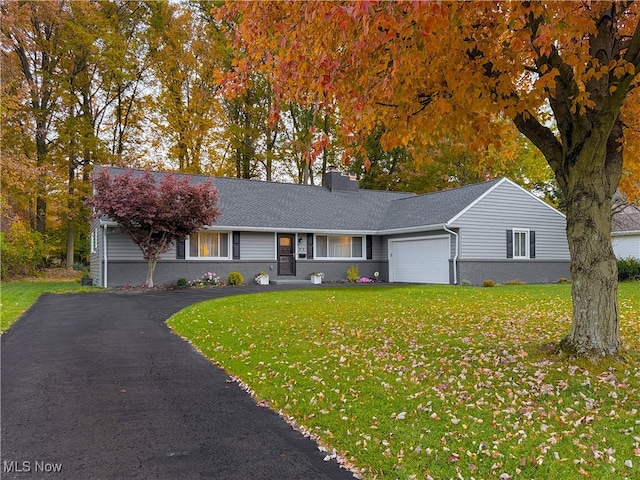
97,387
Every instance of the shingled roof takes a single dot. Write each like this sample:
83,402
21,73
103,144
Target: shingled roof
627,220
436,208
248,203
258,205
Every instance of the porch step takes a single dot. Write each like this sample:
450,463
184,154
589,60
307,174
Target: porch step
289,281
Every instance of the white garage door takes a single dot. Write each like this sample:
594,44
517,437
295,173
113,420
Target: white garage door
424,260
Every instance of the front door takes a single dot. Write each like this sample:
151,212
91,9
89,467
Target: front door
286,254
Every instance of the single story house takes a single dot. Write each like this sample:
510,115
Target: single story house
493,230
625,232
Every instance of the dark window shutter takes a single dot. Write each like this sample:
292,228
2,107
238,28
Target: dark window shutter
180,249
369,247
236,245
532,244
509,243
309,245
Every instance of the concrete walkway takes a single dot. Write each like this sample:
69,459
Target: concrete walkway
95,386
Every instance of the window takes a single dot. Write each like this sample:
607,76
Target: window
521,243
94,240
338,246
209,245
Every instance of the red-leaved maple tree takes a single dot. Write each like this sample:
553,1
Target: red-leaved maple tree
564,73
154,212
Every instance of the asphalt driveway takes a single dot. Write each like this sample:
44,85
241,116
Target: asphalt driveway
95,386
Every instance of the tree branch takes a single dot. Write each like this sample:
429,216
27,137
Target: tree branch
542,137
610,111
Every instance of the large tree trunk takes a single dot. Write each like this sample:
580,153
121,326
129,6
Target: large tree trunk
584,149
595,330
588,172
589,180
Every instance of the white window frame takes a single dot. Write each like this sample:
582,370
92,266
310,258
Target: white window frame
93,240
363,247
187,246
527,240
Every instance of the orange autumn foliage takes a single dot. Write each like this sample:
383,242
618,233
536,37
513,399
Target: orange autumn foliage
424,69
565,73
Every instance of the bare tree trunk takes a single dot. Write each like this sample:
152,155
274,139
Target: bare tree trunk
70,246
70,188
151,266
41,198
70,210
306,173
325,153
269,166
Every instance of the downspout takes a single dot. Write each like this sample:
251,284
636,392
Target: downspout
104,254
455,257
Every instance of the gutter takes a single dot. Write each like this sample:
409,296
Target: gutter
108,223
623,233
455,257
416,229
298,229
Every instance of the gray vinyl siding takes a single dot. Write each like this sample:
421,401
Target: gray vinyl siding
95,254
625,246
121,247
379,248
257,246
483,227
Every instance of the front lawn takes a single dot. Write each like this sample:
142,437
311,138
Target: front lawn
436,381
17,297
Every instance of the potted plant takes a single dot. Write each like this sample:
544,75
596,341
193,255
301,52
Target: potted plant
262,278
316,277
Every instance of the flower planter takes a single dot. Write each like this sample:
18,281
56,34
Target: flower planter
316,279
262,280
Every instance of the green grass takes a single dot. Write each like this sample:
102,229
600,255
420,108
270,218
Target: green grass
434,382
17,297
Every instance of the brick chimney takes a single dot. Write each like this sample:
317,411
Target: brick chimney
336,181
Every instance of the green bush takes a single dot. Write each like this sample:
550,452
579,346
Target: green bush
488,283
235,278
628,268
182,282
23,251
353,275
466,283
